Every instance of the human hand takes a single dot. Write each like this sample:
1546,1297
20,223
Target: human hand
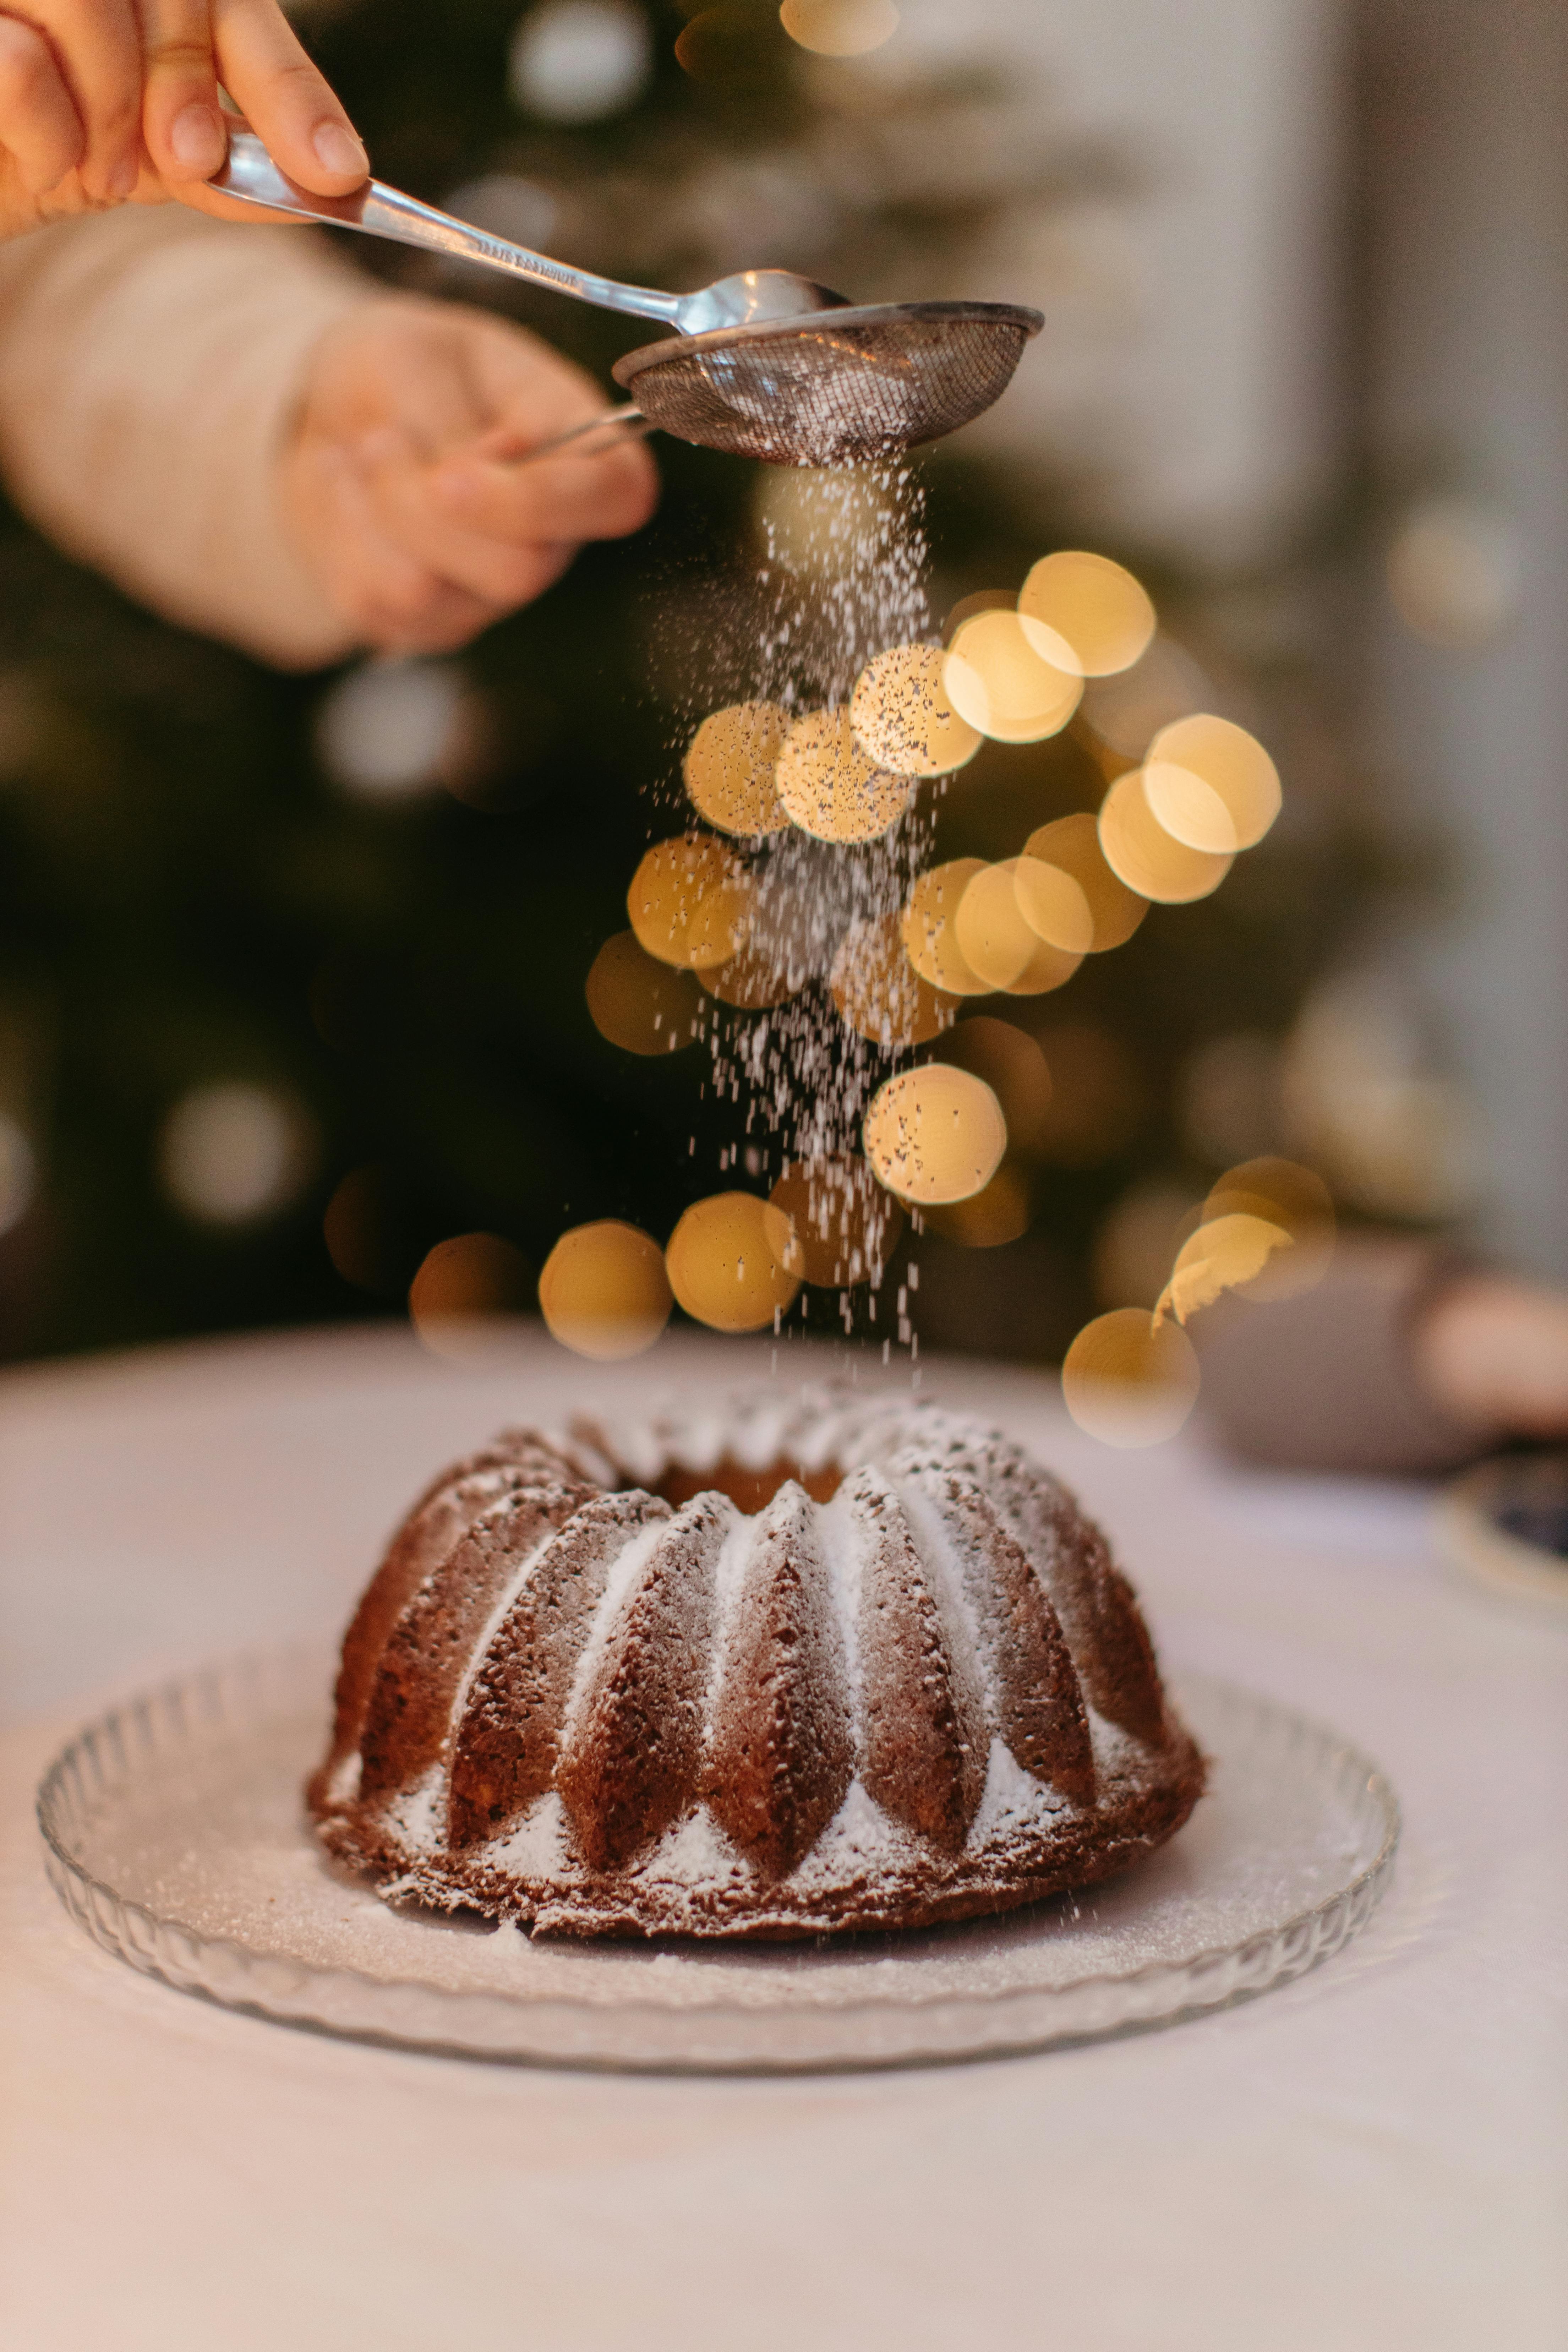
400,486
1493,1353
107,101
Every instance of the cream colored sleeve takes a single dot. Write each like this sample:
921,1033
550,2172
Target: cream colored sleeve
150,362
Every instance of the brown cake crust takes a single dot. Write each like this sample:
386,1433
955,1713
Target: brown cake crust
909,1684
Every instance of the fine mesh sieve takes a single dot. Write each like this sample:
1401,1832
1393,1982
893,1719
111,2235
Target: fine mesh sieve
833,387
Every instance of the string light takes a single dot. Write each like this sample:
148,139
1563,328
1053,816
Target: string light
1095,606
1012,678
998,944
839,28
689,902
729,768
639,1003
1211,785
466,1292
733,1263
880,994
928,923
902,718
1144,855
1129,1381
1072,846
844,1223
829,785
604,1292
935,1134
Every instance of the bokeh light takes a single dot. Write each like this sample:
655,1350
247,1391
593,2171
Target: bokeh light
639,1002
733,1262
1138,848
879,992
845,1224
1071,843
1010,1062
839,28
580,60
902,718
391,730
729,768
751,982
829,785
1136,1244
364,1232
999,945
1096,605
689,902
1054,904
18,1173
1126,711
1012,679
1225,1253
928,926
236,1153
604,1292
1130,1381
466,1293
935,1134
1282,1193
1211,785
1455,573
998,1213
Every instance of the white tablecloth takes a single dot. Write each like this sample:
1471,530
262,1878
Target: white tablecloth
1370,2159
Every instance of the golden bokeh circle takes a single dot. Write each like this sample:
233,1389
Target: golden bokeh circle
638,1002
1138,848
879,992
668,891
902,718
1211,785
989,1219
1284,1193
999,945
1128,1380
465,1291
733,1263
928,923
935,1134
839,28
1054,904
753,982
1010,1062
720,922
1226,1253
1072,845
729,768
830,787
844,1223
604,1292
1101,610
1012,678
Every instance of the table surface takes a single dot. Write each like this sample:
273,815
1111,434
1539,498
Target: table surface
1374,2157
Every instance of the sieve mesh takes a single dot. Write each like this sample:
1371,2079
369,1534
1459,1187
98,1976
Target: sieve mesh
835,387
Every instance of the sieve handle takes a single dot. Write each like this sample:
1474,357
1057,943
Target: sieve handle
253,178
628,424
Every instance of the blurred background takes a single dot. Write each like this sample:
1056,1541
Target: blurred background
293,969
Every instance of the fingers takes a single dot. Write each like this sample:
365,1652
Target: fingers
407,501
291,106
39,126
181,123
392,600
97,51
601,491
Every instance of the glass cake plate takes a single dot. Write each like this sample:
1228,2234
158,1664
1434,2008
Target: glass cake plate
175,1834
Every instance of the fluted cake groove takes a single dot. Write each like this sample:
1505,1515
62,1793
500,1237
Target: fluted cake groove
788,1670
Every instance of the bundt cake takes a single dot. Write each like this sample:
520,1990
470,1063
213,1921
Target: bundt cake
788,1671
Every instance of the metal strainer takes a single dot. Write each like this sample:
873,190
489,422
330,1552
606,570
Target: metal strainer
763,364
835,387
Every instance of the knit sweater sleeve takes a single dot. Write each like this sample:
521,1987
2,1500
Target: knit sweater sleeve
151,364
1327,1380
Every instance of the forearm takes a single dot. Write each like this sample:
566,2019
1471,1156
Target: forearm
151,365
